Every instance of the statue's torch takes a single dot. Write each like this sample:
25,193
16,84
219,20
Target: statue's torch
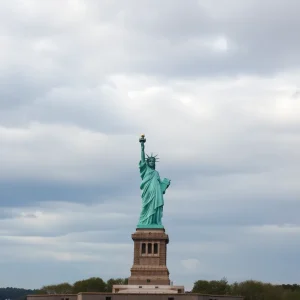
142,139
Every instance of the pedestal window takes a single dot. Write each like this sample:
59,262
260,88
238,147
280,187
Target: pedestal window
149,248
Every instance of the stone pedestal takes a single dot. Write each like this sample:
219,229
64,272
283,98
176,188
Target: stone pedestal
150,258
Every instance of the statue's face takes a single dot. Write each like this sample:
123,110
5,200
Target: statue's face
151,163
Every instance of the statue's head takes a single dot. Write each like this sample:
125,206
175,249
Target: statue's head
151,160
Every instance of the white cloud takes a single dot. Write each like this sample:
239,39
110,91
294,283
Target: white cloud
191,264
220,44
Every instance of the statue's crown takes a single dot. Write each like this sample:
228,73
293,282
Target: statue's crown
152,157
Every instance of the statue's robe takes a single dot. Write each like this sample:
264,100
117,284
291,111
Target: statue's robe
152,195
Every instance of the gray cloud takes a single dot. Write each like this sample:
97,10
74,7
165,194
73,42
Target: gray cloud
260,36
215,90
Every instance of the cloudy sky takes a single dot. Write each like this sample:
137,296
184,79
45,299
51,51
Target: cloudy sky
214,85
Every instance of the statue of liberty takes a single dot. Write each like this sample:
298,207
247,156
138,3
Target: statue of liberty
153,189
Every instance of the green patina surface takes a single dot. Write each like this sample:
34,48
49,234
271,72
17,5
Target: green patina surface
151,226
153,189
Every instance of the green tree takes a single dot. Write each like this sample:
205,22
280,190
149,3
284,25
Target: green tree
214,287
250,289
61,288
115,281
220,287
272,292
234,289
14,293
94,284
291,295
39,292
201,287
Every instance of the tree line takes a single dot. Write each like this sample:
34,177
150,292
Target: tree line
93,284
249,289
15,293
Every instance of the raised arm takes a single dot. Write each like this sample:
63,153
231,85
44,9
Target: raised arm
142,141
142,152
